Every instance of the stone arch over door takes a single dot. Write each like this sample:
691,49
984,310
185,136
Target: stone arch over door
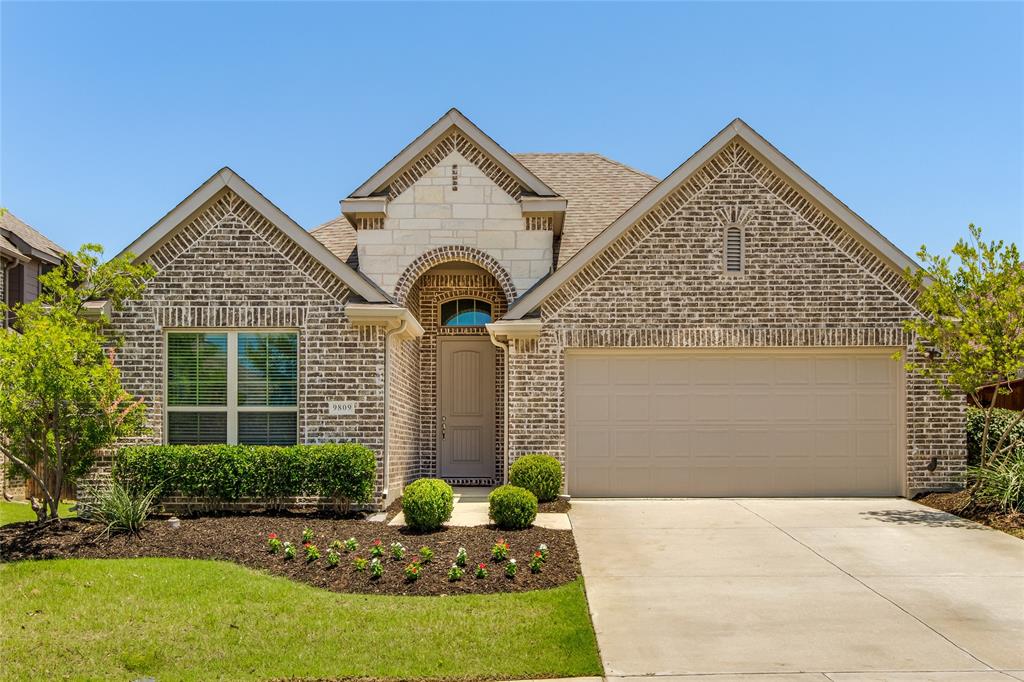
450,254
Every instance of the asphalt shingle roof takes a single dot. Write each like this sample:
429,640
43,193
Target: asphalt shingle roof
597,188
30,235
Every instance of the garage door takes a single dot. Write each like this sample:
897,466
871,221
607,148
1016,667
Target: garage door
732,424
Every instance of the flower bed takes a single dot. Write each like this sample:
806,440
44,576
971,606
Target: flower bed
247,540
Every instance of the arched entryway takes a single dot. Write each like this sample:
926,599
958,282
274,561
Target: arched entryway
460,370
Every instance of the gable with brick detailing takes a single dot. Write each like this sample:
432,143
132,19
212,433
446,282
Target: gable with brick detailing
725,331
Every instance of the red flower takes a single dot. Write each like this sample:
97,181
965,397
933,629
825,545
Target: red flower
482,566
377,542
272,536
537,555
305,544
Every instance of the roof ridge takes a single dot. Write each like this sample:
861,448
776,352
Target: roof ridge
599,155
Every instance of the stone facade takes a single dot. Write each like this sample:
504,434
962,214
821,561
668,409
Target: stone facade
467,209
661,284
229,268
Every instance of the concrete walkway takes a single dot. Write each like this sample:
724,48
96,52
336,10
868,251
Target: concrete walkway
850,590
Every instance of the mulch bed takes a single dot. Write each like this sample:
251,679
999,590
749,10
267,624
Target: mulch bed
959,503
242,539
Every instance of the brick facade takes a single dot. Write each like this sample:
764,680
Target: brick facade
229,267
661,284
806,282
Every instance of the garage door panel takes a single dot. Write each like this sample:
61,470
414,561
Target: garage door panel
670,408
629,407
732,424
626,371
832,370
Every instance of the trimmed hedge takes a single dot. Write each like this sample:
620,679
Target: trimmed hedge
427,503
344,472
511,507
1001,420
540,474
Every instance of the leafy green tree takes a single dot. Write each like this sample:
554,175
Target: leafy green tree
971,332
60,394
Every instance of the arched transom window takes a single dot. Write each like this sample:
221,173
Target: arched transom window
465,312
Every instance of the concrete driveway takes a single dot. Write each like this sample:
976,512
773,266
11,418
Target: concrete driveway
850,590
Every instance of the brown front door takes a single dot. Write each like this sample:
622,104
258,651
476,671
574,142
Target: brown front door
465,403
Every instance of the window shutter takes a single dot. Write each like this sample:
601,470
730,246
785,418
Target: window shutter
733,250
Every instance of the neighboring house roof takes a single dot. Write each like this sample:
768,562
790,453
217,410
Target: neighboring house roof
738,129
33,243
453,119
227,178
598,191
10,250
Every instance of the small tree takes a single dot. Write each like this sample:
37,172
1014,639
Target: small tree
60,394
971,333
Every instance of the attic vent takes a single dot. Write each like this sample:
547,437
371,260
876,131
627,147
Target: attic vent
455,177
733,249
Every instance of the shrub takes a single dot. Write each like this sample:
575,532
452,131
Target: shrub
1001,420
1002,482
427,504
512,508
540,474
122,508
343,472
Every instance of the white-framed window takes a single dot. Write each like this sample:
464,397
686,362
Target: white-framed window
232,387
733,256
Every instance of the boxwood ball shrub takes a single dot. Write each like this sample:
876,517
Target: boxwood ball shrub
427,503
213,474
540,474
512,507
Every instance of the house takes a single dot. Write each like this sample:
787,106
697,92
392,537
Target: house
25,254
728,330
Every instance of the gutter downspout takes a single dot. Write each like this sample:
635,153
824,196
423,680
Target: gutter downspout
504,400
400,329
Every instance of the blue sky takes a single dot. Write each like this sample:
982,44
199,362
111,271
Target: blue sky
911,113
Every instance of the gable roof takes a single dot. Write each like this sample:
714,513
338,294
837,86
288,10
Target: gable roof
598,190
737,129
227,178
453,119
33,242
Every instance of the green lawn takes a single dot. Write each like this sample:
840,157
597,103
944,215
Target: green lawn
13,512
176,619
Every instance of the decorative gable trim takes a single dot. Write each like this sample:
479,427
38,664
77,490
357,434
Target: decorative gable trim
180,228
793,186
453,132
